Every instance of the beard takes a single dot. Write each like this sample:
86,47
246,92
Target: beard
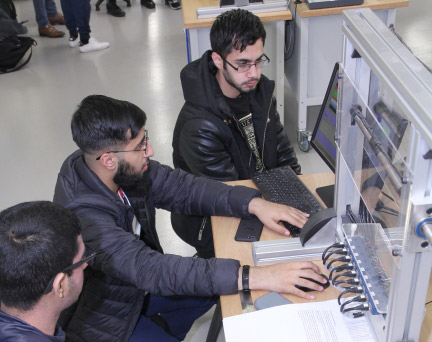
125,176
231,82
74,291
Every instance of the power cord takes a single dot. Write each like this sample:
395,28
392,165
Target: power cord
361,307
348,274
352,289
340,251
290,42
351,282
360,299
335,245
344,258
337,269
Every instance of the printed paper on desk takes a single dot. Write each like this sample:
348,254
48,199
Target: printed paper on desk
308,322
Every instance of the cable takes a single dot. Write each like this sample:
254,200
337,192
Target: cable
340,268
360,299
335,245
428,302
380,206
350,274
388,196
361,307
352,289
289,50
344,258
341,251
351,215
354,281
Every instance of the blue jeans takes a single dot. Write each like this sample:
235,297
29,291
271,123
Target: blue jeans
77,18
44,9
179,313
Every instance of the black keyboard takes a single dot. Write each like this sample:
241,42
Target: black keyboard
282,185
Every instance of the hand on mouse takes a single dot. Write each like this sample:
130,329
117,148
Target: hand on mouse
270,214
284,277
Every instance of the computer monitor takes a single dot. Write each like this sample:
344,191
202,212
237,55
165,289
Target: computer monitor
323,136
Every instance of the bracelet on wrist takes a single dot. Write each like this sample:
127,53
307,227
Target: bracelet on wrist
245,277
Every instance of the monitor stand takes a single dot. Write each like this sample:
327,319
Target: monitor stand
326,193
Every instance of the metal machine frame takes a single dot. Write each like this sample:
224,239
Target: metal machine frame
410,85
372,53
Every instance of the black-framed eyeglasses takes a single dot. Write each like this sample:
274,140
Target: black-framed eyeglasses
244,67
142,149
88,256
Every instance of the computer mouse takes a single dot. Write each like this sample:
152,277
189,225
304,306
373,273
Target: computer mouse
307,289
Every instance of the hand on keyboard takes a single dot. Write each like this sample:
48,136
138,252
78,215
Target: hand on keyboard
272,214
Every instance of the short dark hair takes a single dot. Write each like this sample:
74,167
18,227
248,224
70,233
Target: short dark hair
37,241
101,122
235,29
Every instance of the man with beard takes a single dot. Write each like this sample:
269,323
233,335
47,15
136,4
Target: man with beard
229,128
42,258
132,291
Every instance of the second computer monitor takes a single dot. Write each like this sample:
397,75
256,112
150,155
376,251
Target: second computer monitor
323,136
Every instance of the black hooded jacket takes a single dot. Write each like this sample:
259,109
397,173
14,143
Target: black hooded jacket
206,139
125,266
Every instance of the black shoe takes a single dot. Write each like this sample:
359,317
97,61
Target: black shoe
115,11
148,3
173,4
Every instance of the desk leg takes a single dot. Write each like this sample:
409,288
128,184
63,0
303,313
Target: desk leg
303,75
280,68
391,16
192,44
302,133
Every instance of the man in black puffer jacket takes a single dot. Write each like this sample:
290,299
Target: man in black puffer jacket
133,292
229,128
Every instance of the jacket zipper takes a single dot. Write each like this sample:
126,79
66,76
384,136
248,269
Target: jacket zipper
200,233
265,128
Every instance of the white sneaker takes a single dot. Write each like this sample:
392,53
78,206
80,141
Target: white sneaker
93,45
73,42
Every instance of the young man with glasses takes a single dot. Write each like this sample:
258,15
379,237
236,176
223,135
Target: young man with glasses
229,128
42,258
132,291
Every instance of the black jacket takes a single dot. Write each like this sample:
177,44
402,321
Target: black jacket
205,139
13,329
207,142
125,267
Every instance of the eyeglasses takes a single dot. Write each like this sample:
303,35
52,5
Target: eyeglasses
142,149
88,256
246,66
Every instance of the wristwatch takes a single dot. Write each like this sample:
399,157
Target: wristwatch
245,277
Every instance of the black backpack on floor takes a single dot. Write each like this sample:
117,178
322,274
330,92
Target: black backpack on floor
13,48
12,51
9,7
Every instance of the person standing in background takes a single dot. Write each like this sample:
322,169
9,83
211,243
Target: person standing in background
47,16
77,17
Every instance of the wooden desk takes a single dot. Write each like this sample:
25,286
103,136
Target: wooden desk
197,33
318,46
224,229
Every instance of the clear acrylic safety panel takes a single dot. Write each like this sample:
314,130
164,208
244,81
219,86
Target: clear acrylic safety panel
373,141
371,253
